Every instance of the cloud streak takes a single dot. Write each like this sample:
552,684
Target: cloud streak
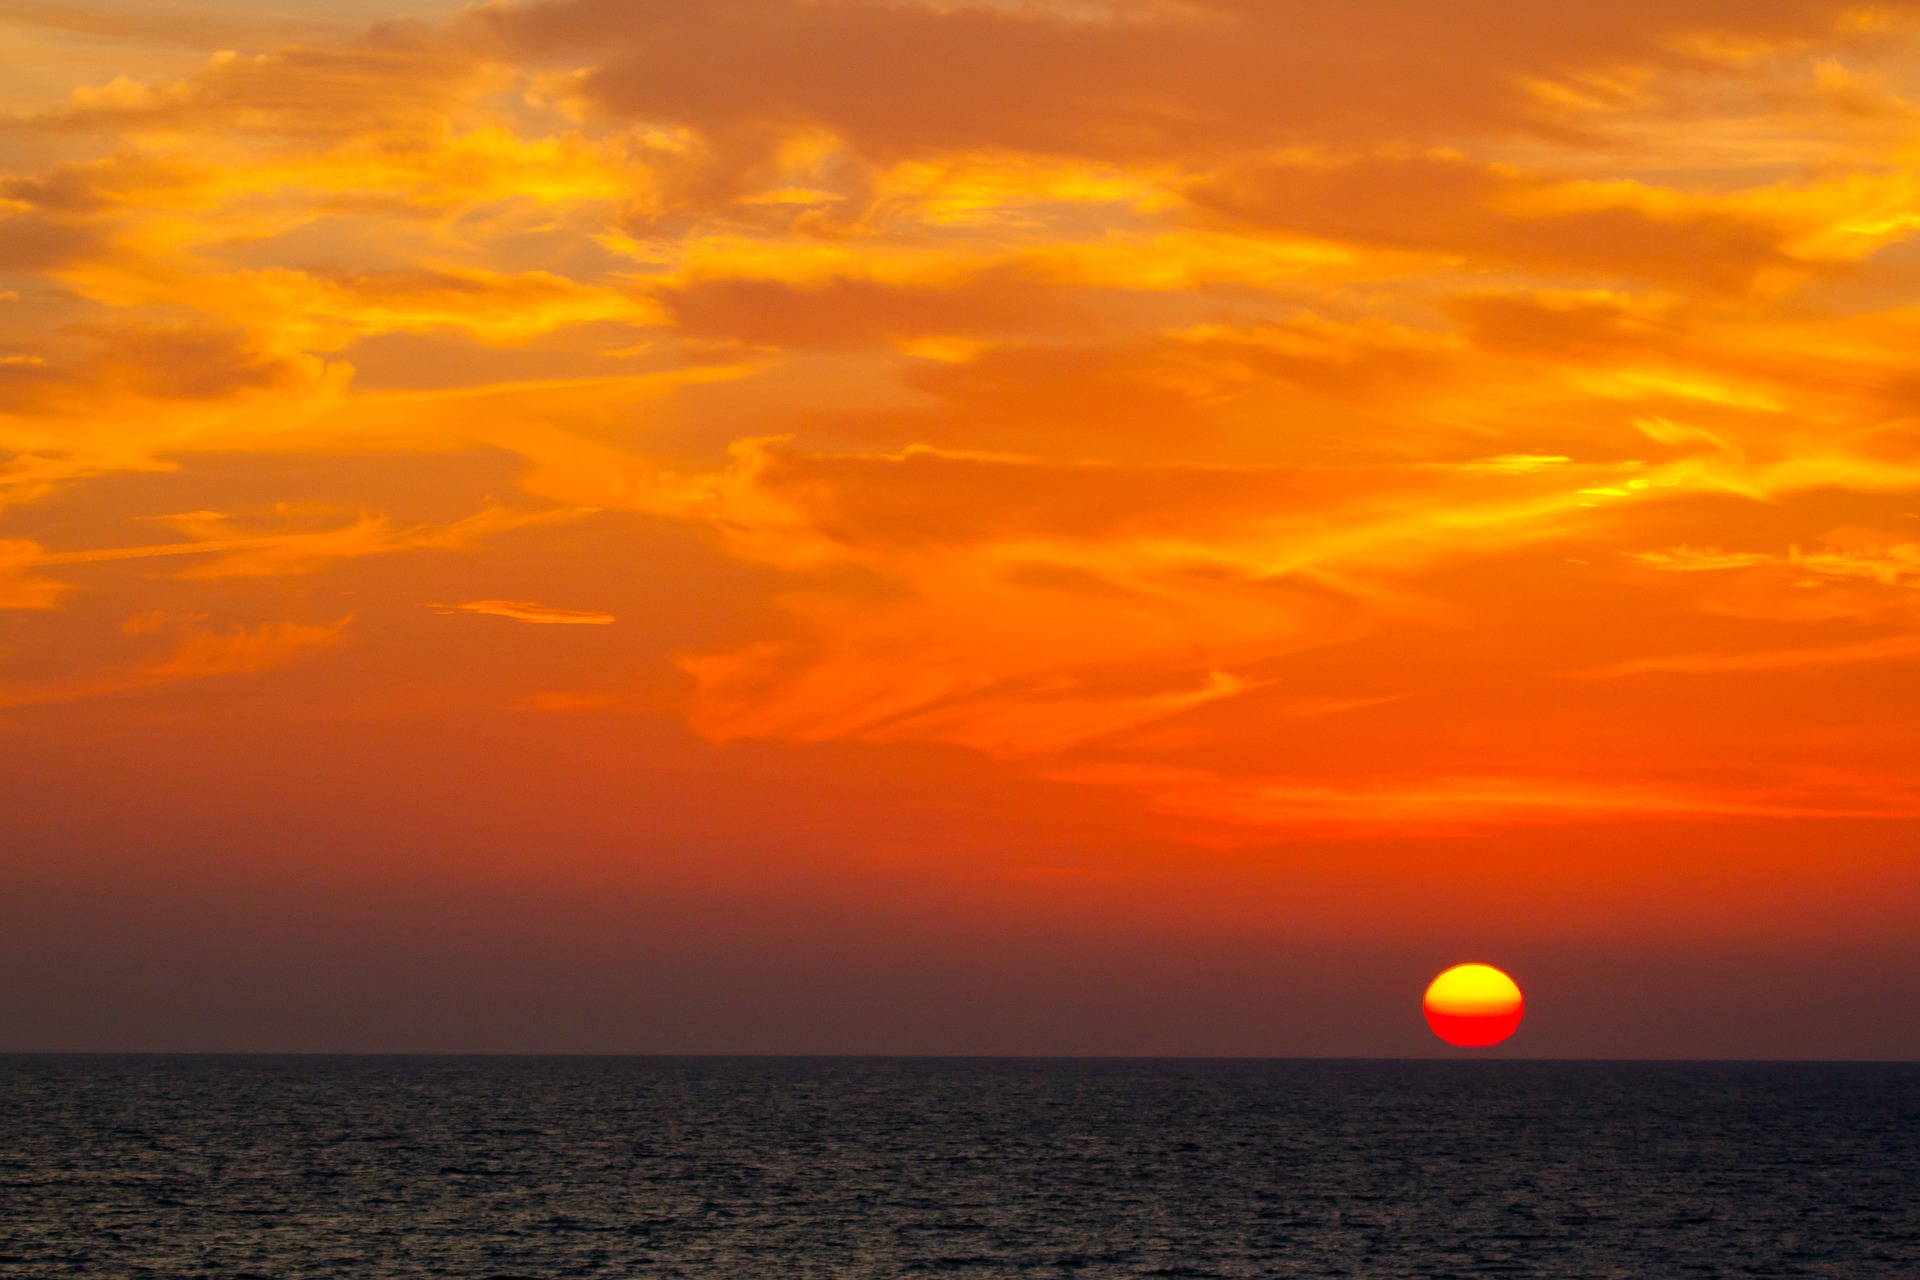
199,654
528,611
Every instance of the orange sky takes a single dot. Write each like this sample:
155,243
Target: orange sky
929,524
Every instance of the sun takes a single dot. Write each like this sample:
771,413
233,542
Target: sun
1474,1005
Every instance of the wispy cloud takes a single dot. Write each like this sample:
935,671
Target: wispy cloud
272,554
198,654
1266,807
20,588
528,611
1885,650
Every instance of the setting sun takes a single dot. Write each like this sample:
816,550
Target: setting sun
1473,1006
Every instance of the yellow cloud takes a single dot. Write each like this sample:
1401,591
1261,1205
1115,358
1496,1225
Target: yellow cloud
972,190
275,554
320,312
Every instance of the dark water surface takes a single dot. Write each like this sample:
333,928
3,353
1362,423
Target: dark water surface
496,1167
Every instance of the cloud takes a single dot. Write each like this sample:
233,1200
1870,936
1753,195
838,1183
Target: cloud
1022,606
1139,385
1850,554
1885,650
1375,360
1590,325
1451,805
852,313
19,588
1861,574
528,611
1451,206
31,241
905,79
325,311
296,552
171,362
390,78
198,654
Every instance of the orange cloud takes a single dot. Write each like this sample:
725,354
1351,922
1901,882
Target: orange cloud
273,554
19,588
199,654
527,611
1164,79
1239,391
1892,647
1444,805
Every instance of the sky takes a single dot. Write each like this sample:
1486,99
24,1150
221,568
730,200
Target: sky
956,526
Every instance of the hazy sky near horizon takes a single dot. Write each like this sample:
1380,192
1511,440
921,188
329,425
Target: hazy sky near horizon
1112,526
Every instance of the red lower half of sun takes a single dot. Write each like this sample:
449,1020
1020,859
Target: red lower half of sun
1473,1030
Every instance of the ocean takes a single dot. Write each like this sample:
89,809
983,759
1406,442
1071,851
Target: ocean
342,1167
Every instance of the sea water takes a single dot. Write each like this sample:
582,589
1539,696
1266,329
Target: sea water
744,1168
